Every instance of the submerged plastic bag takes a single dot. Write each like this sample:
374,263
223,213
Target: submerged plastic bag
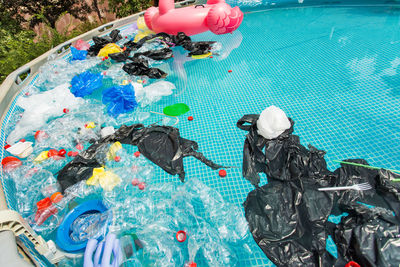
86,83
119,99
288,216
160,144
139,67
40,108
78,54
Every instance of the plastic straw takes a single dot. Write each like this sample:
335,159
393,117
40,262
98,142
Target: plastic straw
368,166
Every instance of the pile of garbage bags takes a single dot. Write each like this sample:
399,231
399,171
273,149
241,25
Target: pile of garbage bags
288,216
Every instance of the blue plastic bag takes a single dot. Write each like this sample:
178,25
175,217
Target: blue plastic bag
78,54
120,99
85,83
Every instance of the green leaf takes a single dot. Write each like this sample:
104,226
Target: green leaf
176,109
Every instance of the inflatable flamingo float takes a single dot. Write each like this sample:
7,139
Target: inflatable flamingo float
216,16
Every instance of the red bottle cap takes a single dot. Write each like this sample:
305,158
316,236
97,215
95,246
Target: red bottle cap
229,71
190,118
52,153
117,158
11,162
56,197
135,182
62,152
222,173
136,154
142,186
43,204
352,264
181,236
65,110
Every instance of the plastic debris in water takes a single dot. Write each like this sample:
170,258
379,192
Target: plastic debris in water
119,99
85,83
109,49
78,54
176,109
40,108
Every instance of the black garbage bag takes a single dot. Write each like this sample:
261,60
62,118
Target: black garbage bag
368,236
140,66
120,57
163,145
288,216
100,42
158,54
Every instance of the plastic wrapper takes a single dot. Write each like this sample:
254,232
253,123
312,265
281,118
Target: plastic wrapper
160,144
85,83
288,216
120,99
78,54
39,108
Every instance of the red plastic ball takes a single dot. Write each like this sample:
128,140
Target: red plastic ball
190,118
135,182
142,186
222,173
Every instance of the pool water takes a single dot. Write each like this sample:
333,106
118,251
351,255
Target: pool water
333,70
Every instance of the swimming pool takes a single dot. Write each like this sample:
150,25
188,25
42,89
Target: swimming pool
333,70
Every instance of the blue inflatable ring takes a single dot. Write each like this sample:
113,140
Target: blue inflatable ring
64,240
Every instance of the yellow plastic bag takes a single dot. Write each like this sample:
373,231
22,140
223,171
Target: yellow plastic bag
107,180
42,156
109,49
112,151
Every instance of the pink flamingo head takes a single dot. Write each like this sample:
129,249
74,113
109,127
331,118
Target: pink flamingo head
223,19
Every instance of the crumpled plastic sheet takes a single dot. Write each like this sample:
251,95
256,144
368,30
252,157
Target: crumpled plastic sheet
288,216
140,67
86,83
39,108
216,232
160,144
78,54
119,99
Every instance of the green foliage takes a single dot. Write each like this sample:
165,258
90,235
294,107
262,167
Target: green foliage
123,8
17,49
47,11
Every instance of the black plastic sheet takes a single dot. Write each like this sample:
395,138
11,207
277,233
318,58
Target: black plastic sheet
163,145
288,216
100,42
140,66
